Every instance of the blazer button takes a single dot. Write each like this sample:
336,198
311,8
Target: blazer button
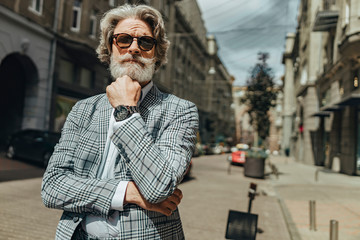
75,219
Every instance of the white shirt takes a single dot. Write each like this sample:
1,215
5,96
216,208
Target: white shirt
96,225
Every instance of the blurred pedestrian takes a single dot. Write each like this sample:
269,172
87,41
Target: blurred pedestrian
122,154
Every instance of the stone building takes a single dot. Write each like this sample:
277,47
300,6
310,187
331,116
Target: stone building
48,53
336,136
300,81
26,54
244,130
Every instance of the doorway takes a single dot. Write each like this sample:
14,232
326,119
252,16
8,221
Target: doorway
17,72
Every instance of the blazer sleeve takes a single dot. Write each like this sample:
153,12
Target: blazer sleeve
158,165
62,188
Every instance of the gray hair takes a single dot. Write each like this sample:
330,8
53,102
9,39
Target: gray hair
142,12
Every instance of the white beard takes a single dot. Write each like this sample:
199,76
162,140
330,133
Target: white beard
142,71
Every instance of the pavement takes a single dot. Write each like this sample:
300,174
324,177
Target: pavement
282,203
336,197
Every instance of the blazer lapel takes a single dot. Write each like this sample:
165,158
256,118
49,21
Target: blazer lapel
151,100
104,119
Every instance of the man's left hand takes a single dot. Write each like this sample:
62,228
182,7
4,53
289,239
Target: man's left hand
165,207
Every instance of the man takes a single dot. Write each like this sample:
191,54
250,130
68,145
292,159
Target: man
122,154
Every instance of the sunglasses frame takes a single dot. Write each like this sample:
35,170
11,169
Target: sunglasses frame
138,41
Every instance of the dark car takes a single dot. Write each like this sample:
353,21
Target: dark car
34,145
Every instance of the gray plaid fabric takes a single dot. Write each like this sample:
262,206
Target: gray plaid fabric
155,151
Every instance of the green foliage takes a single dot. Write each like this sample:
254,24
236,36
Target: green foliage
256,153
260,96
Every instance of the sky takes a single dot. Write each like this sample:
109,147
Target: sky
243,28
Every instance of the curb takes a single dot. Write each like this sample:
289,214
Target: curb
291,226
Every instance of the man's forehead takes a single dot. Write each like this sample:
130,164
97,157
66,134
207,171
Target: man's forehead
132,25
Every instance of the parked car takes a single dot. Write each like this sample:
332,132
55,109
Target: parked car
212,148
238,154
33,145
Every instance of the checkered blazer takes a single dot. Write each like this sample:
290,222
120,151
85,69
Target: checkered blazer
155,150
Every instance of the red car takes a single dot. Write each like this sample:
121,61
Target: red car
238,156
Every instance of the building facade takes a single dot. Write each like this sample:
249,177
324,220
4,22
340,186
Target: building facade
301,83
25,53
336,136
53,44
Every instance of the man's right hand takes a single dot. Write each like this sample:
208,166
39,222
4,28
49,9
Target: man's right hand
123,91
165,207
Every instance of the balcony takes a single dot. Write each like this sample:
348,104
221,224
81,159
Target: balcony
325,20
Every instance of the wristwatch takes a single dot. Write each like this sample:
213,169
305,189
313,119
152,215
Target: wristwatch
122,112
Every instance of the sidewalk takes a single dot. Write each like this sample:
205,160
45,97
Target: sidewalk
337,198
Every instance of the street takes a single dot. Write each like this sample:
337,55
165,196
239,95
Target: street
282,204
209,194
212,192
18,170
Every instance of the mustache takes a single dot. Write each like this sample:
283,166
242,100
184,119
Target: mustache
133,58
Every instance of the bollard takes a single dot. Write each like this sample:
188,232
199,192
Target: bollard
316,175
334,234
312,215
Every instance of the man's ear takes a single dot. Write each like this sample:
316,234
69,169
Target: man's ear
109,47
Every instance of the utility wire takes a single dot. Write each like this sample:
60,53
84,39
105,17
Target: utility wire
247,37
221,4
245,21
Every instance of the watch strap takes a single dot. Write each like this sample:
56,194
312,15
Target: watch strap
123,112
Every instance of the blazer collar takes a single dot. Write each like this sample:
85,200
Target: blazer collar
151,100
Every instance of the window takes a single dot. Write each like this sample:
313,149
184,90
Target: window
326,97
76,16
66,71
304,76
346,18
356,75
74,74
341,88
36,6
92,26
86,78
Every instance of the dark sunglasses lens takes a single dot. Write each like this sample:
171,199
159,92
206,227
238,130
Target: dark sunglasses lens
124,40
146,43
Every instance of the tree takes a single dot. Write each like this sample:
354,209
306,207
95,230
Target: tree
260,96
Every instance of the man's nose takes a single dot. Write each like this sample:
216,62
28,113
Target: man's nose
134,47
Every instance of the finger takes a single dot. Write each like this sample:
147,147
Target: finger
138,90
172,206
169,204
178,193
174,199
109,89
162,209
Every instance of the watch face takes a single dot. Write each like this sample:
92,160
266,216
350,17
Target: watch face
121,113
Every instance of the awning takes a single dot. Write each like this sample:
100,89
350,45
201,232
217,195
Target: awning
325,20
352,99
321,114
331,108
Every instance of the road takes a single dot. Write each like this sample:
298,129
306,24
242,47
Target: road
16,170
208,196
212,192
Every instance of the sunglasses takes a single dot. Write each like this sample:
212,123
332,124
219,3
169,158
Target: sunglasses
124,40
